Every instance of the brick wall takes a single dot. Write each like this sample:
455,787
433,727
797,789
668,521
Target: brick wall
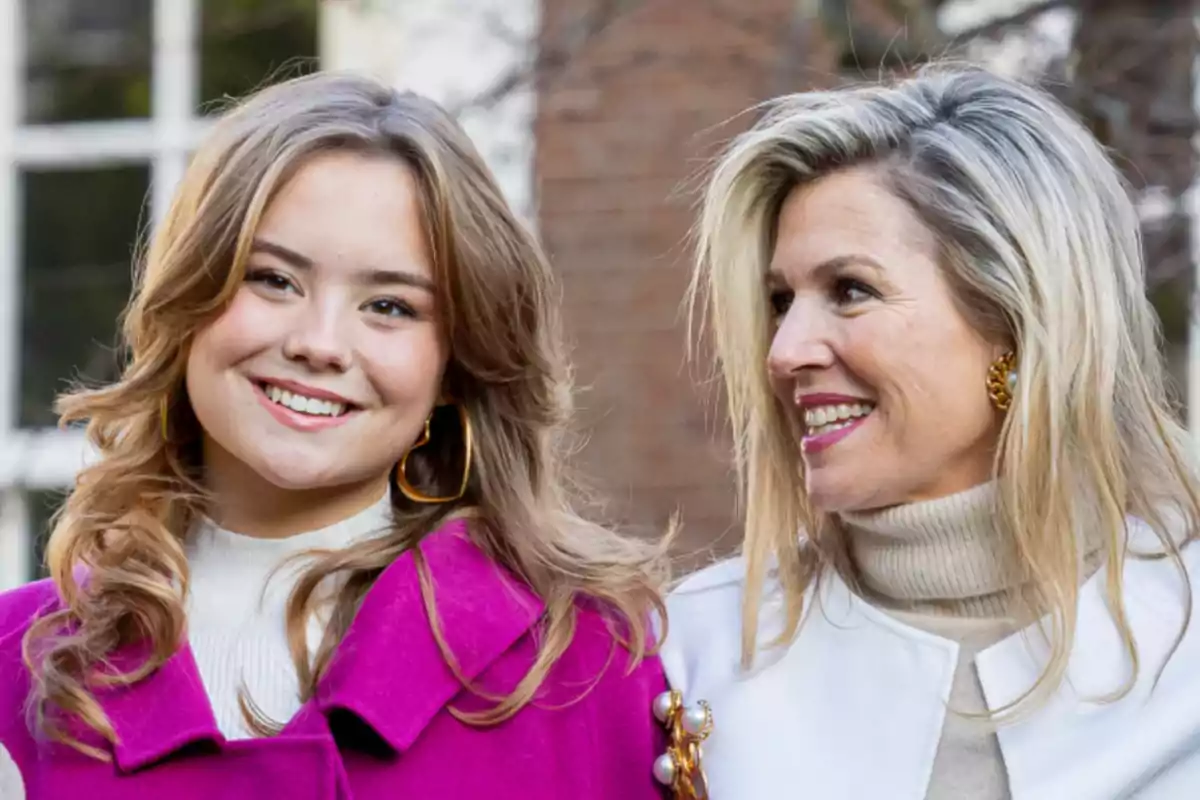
629,107
635,96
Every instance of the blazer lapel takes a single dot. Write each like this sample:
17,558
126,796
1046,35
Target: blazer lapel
389,671
1075,746
161,714
805,716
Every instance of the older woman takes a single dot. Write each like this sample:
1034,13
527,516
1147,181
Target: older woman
968,568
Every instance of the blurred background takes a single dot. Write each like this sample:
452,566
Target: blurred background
598,117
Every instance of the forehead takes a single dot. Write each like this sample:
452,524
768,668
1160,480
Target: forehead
346,210
846,213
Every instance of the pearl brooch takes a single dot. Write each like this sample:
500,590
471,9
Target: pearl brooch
664,706
679,767
664,769
697,720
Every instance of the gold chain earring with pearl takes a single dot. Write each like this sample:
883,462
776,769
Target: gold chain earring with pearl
1002,381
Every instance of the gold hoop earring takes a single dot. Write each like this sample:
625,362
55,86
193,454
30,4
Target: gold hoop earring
1002,381
416,495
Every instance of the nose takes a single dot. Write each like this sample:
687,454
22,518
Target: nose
318,341
801,342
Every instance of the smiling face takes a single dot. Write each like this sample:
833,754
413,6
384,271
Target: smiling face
870,351
321,372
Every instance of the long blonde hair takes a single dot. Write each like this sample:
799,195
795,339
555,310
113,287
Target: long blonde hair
1041,244
126,517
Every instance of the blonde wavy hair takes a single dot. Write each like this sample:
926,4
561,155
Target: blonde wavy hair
1040,243
124,522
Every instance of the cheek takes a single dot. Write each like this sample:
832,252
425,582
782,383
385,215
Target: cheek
882,354
240,332
406,368
783,387
930,387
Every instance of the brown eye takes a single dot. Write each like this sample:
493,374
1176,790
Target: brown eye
270,279
781,301
391,307
848,291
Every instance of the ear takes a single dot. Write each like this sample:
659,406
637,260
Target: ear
1001,348
445,395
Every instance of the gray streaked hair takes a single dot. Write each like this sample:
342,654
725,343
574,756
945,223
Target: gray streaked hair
1040,243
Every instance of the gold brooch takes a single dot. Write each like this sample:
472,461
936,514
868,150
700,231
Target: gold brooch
687,727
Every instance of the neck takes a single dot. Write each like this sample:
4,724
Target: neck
945,556
241,501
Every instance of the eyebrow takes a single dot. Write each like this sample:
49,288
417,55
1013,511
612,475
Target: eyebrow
830,265
370,277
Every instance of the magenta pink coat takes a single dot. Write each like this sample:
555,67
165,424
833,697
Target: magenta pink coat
380,726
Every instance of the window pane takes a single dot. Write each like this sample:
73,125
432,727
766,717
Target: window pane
79,228
247,43
41,507
87,59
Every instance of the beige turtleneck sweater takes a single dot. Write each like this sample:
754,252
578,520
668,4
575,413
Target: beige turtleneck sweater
941,566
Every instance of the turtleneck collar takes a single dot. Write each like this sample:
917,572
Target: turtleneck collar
944,556
209,539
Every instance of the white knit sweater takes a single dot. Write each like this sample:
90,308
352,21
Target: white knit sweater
236,612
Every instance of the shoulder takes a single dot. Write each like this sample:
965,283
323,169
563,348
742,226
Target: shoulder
1149,568
600,647
600,678
600,709
598,698
20,606
18,609
478,596
702,647
1153,584
721,575
707,599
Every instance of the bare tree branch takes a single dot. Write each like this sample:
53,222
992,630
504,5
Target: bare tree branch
554,57
916,37
1000,24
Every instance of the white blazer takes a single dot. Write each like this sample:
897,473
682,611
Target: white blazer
853,707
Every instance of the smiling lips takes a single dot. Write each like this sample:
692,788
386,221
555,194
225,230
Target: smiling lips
303,408
303,404
829,418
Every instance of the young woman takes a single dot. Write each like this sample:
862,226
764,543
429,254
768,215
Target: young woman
327,551
969,552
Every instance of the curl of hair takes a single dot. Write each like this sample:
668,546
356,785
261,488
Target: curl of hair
1041,245
116,552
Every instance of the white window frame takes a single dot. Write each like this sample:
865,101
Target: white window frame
48,458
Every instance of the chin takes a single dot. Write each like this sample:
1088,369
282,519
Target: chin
297,474
831,494
299,480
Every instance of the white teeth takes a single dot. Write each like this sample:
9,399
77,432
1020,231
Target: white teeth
305,405
830,428
824,419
